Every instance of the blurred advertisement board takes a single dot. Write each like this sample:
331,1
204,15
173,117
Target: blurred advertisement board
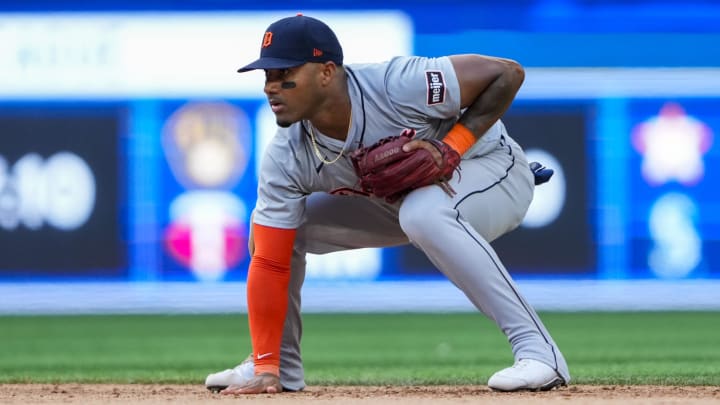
153,175
556,235
59,192
164,55
206,148
673,166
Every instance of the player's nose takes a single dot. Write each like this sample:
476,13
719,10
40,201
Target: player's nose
271,87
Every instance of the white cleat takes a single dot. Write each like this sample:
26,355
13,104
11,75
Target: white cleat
241,374
526,375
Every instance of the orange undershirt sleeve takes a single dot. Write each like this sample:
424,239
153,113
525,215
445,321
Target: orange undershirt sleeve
267,294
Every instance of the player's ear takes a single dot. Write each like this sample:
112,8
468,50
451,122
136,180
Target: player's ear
328,70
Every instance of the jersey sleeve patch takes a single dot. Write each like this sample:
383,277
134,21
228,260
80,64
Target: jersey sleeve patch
435,87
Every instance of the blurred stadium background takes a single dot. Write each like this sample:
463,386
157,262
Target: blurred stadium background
129,150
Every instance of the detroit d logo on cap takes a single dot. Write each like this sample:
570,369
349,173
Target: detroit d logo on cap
267,39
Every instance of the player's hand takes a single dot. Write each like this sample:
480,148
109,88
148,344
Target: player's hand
419,143
265,383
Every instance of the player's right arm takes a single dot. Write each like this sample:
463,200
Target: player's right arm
273,226
267,298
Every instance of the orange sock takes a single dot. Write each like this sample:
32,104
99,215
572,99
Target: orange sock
460,138
267,294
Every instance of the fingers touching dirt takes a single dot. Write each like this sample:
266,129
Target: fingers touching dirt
265,383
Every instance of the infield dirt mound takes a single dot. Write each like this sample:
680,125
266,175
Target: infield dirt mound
196,394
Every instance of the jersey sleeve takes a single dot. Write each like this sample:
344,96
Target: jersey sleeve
281,198
423,88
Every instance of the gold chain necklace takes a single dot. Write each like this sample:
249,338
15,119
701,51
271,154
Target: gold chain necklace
317,150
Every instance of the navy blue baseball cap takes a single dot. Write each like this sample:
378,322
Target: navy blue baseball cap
294,41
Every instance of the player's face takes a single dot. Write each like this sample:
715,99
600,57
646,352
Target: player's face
290,93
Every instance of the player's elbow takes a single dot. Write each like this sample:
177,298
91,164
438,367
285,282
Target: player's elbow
513,74
478,74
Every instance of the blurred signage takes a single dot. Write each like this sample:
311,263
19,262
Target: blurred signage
556,235
206,145
596,83
673,145
673,175
164,55
59,192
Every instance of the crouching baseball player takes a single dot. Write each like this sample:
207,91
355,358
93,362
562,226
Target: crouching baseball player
406,151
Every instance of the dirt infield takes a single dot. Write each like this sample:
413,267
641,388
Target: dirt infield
194,394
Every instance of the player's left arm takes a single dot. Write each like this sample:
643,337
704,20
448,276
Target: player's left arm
488,86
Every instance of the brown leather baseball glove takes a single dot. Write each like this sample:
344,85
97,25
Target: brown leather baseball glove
386,171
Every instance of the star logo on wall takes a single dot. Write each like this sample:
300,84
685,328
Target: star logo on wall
672,145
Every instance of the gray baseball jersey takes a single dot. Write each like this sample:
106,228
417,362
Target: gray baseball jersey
407,92
298,190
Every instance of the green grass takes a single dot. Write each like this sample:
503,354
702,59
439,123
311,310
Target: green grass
601,348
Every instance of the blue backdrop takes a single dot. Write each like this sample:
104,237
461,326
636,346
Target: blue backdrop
636,147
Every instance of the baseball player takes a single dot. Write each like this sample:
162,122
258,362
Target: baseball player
310,200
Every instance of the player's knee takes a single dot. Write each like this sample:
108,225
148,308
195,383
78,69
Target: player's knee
419,217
